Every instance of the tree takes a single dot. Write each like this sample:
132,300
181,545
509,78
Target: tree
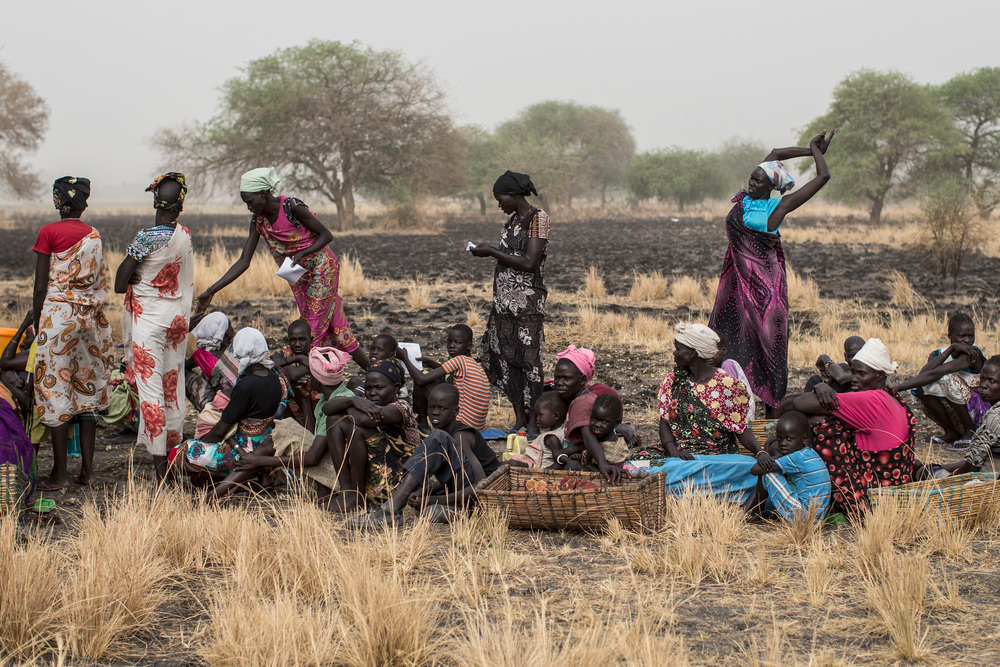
886,126
482,165
569,149
24,118
738,157
687,176
973,98
330,117
951,226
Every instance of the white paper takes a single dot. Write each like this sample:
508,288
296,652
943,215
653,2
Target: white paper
290,272
413,352
470,246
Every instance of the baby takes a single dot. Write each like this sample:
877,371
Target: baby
550,413
798,478
605,417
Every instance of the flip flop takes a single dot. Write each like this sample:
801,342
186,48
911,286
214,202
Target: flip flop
47,487
938,440
960,446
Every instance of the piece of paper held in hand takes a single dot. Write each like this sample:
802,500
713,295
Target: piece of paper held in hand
290,272
413,352
470,246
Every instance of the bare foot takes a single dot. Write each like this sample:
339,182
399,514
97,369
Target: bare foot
52,483
83,480
340,503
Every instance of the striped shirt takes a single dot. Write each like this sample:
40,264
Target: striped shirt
473,390
805,482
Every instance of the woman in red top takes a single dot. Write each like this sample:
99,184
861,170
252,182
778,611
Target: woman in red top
291,230
75,353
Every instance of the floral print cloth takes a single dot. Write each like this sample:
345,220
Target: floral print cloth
74,354
705,417
515,338
154,330
316,292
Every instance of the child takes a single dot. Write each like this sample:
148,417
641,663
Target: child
14,363
838,376
987,435
605,416
454,455
798,479
374,440
550,412
293,361
465,373
943,385
383,347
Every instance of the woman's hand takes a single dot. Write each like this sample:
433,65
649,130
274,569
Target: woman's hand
827,397
823,361
297,258
371,410
483,250
681,454
249,461
821,141
205,299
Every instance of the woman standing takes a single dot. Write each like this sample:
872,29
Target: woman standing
75,353
291,230
514,339
751,305
157,279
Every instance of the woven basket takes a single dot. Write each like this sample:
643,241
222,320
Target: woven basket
637,503
949,495
762,429
12,489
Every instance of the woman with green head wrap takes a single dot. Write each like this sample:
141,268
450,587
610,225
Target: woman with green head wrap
293,232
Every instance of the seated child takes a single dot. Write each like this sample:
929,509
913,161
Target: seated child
244,424
461,370
383,347
733,367
798,478
14,363
442,472
550,414
838,376
944,384
605,416
374,440
312,460
293,361
987,436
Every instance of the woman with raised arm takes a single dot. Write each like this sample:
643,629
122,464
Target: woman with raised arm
751,305
292,231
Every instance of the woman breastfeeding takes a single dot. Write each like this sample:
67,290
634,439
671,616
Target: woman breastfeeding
868,435
751,305
292,231
703,409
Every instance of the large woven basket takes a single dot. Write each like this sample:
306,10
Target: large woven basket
638,503
762,429
954,495
12,489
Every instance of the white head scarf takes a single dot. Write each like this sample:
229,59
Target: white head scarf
211,330
698,337
259,180
875,356
250,347
778,175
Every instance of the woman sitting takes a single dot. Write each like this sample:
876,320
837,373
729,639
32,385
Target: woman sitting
703,409
213,336
867,441
245,423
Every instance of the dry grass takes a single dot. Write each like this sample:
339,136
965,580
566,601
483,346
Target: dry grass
418,294
686,290
352,277
649,287
803,294
593,284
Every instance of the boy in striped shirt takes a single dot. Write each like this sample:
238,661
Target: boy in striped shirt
461,370
798,477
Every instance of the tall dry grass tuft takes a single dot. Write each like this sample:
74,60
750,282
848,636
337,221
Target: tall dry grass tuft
119,577
646,332
352,277
649,287
803,294
30,582
818,573
258,279
593,285
418,294
686,290
903,294
474,317
897,595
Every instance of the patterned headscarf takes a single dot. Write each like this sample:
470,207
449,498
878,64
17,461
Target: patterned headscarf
389,368
260,180
169,206
70,193
778,175
513,183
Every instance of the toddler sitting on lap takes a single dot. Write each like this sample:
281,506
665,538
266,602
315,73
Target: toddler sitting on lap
605,416
542,452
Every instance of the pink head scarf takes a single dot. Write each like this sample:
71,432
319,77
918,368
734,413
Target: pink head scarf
582,358
327,365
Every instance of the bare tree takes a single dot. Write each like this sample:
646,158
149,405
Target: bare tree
24,117
330,117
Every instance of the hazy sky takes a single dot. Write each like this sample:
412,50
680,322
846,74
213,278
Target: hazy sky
687,74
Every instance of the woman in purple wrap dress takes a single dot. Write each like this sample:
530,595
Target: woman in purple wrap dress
751,305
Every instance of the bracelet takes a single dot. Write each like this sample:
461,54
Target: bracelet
757,455
559,459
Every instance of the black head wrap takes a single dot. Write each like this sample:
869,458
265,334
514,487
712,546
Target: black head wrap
70,193
389,368
513,183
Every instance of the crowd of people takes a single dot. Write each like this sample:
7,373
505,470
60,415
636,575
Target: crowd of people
411,431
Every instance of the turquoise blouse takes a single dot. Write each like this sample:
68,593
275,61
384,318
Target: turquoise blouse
757,211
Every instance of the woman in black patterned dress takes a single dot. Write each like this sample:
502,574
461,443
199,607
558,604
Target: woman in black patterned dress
511,352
